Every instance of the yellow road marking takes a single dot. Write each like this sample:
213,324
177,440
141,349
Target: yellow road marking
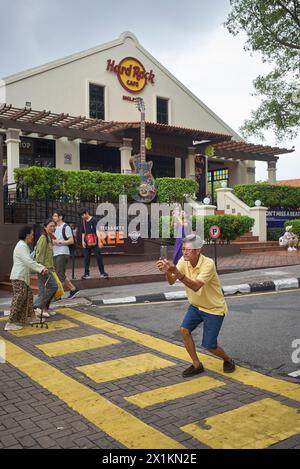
122,367
60,325
6,318
62,347
176,391
244,375
253,426
111,419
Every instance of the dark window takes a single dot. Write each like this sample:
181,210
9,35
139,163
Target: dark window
37,152
163,166
97,109
162,111
98,158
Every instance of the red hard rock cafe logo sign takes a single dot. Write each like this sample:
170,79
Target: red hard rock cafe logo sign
131,73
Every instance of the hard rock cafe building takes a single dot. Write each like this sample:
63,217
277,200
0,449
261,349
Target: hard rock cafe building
79,112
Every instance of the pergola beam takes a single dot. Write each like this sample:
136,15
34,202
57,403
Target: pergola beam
39,116
20,113
56,119
244,156
74,121
57,131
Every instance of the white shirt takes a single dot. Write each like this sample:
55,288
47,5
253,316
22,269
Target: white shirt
23,264
62,250
288,235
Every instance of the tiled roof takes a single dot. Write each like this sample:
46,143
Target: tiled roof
289,182
196,134
244,147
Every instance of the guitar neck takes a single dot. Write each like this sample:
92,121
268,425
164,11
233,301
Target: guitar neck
143,136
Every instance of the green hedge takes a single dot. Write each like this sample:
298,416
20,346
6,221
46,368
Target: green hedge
83,185
295,224
55,183
271,195
273,234
231,226
172,190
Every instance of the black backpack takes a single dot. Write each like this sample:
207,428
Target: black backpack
72,247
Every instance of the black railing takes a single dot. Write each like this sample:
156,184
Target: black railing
22,210
33,211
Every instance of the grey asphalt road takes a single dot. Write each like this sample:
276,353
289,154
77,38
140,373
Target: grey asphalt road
258,332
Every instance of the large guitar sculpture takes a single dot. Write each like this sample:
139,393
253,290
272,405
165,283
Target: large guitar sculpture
139,165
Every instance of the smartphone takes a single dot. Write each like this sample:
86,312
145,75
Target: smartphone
163,252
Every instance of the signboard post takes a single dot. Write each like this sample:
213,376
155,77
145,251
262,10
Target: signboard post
215,233
200,174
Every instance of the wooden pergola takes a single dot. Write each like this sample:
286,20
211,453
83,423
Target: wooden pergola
45,123
249,151
174,140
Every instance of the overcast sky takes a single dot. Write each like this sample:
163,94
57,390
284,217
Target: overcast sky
188,38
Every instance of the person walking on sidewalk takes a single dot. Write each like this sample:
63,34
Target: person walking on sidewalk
21,310
91,242
61,250
207,302
47,285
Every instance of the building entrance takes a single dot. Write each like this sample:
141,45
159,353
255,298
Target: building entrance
215,177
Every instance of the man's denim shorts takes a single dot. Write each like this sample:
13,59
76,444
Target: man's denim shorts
211,325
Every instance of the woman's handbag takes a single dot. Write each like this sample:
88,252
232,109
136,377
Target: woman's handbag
60,289
91,239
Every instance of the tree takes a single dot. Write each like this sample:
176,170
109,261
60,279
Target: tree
273,29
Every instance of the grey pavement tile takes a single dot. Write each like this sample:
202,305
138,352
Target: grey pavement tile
27,424
16,447
46,442
27,441
8,440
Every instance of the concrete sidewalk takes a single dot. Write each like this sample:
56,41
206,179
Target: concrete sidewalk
240,262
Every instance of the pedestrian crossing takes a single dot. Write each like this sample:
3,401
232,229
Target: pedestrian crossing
250,425
176,391
243,375
113,370
106,416
81,344
53,326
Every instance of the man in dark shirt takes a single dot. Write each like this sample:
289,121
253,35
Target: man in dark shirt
91,242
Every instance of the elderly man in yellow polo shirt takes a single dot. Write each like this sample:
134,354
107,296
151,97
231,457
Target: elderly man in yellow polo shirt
207,302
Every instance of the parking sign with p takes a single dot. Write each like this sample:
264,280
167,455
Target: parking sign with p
214,232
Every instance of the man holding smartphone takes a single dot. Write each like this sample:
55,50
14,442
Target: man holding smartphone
207,302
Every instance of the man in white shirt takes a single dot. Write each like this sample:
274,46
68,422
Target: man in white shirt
61,250
289,239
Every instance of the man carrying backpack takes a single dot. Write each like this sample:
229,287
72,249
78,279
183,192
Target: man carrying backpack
62,246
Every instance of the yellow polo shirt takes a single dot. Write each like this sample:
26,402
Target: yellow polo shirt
209,298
